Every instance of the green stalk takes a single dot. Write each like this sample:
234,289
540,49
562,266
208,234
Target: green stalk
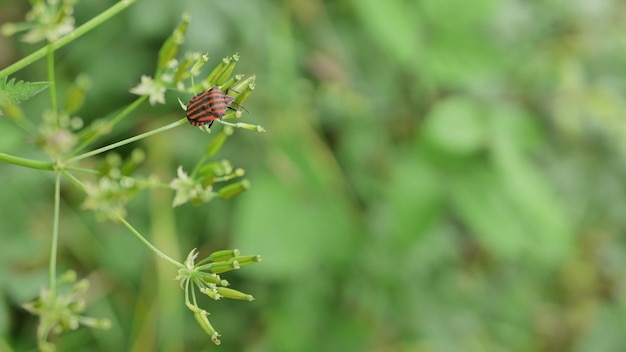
86,27
55,235
128,140
53,86
74,180
147,243
33,164
93,134
81,169
131,228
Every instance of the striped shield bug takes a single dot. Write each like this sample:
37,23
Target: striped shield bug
208,106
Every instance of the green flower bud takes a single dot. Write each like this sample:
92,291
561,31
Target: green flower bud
209,278
210,171
234,189
75,96
103,324
223,255
240,98
201,317
219,267
211,292
247,260
242,86
67,323
77,306
182,71
228,71
195,69
81,286
67,277
217,72
169,50
228,84
234,294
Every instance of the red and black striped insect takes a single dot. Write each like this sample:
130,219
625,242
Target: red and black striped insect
208,106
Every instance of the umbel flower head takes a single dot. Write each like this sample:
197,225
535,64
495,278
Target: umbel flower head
47,20
204,276
199,188
189,190
62,311
154,89
176,72
115,188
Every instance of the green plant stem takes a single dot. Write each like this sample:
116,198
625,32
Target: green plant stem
83,170
33,164
96,172
55,235
75,180
130,227
147,243
53,86
129,109
128,140
200,162
93,134
86,27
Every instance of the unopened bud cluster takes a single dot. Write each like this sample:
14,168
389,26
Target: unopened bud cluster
178,72
108,196
47,20
62,310
204,276
200,186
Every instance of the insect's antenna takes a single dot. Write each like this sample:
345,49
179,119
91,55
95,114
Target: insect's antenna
240,106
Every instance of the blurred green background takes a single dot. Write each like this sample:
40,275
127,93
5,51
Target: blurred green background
435,176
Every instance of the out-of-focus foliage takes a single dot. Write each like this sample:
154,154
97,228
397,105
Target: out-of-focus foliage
435,176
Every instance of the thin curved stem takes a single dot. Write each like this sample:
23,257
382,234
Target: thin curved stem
147,243
130,227
33,164
91,135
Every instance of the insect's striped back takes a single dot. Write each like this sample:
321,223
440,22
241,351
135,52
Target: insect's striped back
208,106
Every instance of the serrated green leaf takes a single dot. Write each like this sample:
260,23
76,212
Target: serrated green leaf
12,92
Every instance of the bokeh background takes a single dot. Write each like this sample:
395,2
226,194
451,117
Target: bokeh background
435,176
